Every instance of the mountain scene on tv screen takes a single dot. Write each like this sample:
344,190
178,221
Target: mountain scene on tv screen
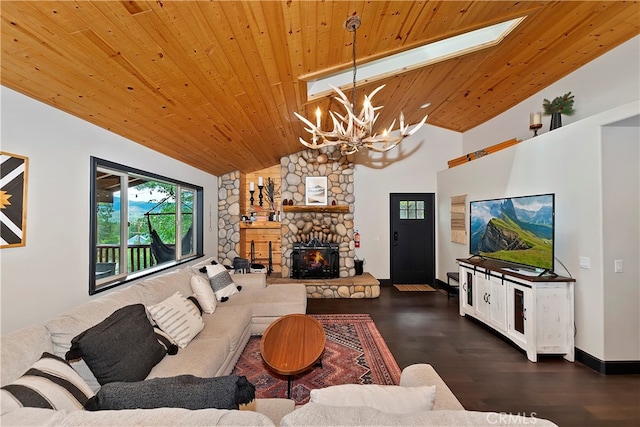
518,230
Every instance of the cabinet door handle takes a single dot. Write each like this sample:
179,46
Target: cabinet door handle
488,298
464,287
524,313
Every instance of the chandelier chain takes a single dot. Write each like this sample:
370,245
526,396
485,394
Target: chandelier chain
353,91
352,130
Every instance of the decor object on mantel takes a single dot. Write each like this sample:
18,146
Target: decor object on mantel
271,197
351,132
560,105
316,191
260,187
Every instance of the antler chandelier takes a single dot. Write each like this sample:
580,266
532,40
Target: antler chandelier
350,131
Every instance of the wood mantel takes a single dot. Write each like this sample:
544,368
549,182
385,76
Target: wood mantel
324,209
261,225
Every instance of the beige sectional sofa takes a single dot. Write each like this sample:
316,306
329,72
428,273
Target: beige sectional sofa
213,352
446,411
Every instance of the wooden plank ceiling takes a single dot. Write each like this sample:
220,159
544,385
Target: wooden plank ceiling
215,84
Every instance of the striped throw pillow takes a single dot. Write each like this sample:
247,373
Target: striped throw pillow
221,281
178,317
50,383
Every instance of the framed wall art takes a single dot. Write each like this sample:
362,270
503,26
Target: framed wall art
13,200
316,191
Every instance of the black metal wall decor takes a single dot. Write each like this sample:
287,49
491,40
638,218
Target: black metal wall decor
13,200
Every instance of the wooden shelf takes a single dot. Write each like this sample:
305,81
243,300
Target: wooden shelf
325,209
263,234
261,224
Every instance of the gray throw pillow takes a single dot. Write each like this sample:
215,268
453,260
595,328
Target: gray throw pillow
183,391
123,347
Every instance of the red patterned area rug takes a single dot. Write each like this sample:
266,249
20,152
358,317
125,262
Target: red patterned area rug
355,353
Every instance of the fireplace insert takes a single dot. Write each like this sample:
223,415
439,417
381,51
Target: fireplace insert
315,260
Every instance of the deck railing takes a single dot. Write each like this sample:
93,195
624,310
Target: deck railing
138,256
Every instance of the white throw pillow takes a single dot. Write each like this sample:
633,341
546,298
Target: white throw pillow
204,293
391,399
178,317
221,281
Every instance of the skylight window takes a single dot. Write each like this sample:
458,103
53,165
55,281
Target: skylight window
415,58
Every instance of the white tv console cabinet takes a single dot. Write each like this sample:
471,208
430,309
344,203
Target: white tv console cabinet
536,313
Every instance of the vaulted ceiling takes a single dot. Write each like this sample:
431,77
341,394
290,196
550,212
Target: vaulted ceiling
215,83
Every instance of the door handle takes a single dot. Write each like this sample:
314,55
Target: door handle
395,238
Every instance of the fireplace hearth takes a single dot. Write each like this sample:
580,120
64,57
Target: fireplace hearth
315,260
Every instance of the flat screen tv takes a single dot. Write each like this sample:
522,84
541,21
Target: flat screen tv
518,230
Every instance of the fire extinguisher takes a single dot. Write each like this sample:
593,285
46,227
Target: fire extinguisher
356,238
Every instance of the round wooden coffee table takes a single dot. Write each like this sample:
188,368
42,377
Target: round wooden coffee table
292,344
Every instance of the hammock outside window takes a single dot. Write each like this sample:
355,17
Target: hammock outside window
161,251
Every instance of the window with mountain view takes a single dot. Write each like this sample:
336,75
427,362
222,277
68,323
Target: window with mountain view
142,223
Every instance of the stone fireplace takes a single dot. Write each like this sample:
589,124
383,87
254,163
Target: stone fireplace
299,223
332,223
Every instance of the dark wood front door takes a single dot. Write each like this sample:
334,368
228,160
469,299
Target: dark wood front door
412,238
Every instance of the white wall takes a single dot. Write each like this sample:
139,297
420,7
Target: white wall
621,235
578,163
409,168
567,162
604,83
50,274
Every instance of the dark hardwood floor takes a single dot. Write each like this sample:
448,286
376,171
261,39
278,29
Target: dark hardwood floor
486,372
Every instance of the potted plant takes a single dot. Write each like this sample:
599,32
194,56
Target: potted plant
560,105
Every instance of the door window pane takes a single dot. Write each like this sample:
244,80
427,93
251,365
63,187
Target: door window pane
411,209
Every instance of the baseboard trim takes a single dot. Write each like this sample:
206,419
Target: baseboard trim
441,284
452,291
625,367
438,284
